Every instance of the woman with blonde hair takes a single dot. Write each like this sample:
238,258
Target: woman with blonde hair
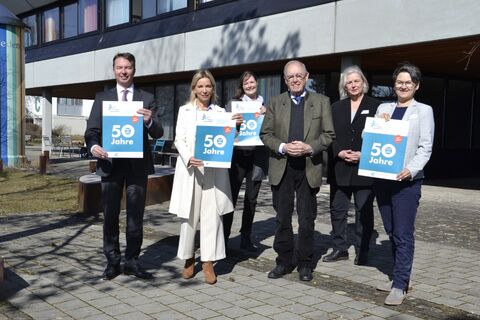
199,194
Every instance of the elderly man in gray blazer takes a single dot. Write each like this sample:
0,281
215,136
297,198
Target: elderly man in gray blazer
297,128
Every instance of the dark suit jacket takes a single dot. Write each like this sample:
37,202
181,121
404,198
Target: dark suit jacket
318,133
349,137
93,134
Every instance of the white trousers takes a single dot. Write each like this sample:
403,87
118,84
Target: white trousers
204,210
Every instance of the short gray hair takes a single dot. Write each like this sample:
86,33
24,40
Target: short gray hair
294,62
343,80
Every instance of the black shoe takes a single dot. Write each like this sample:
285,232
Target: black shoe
305,274
246,244
336,255
279,271
361,258
137,271
111,272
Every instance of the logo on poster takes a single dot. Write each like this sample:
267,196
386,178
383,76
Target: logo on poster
121,134
214,144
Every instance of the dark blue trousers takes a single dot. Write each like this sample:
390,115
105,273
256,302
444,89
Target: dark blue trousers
398,203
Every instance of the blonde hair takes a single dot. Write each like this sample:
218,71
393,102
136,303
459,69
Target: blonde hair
200,74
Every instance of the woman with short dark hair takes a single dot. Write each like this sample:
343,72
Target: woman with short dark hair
398,200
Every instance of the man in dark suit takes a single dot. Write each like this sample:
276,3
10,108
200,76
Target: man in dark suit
349,120
119,172
297,128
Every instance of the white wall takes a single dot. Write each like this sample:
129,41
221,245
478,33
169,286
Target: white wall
340,27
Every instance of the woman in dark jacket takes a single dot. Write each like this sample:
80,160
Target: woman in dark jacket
349,120
249,163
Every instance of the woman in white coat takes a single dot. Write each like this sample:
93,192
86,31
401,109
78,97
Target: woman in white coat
199,194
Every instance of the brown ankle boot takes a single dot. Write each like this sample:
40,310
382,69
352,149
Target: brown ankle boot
209,273
189,269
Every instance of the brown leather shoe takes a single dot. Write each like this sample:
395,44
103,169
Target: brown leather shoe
189,269
210,276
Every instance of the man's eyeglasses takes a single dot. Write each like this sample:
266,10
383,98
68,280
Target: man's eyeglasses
291,77
408,84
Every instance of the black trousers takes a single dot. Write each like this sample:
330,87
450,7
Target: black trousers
242,169
112,190
294,184
340,197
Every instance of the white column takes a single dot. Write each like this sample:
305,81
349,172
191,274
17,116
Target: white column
47,120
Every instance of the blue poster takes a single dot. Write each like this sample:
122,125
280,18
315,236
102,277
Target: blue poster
214,138
249,134
122,129
383,148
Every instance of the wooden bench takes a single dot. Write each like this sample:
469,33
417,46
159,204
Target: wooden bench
159,188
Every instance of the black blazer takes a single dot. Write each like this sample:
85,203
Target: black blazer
349,136
93,134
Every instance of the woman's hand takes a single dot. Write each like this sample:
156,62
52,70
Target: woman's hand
404,175
349,156
195,162
385,116
238,117
263,109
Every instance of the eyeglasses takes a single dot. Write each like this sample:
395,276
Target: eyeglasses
291,77
408,84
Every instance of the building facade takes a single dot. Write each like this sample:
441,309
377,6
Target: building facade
71,44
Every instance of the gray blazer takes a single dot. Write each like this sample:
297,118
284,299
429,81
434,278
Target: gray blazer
420,135
318,133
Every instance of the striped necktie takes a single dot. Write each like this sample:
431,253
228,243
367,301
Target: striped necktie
124,96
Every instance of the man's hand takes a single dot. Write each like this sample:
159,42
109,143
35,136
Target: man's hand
99,152
297,149
147,114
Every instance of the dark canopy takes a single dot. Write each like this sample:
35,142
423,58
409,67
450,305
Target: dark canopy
8,18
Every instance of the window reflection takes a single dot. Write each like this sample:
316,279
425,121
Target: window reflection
117,12
70,21
170,5
149,8
31,35
51,25
165,97
382,88
87,16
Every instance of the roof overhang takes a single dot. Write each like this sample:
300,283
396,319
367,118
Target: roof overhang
18,7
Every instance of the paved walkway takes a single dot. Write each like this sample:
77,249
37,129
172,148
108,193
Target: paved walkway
54,262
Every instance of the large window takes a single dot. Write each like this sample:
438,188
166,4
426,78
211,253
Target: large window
117,12
458,114
69,107
87,16
476,119
382,88
432,92
170,5
69,21
165,96
32,34
150,8
51,24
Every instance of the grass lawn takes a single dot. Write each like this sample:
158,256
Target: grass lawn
28,191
